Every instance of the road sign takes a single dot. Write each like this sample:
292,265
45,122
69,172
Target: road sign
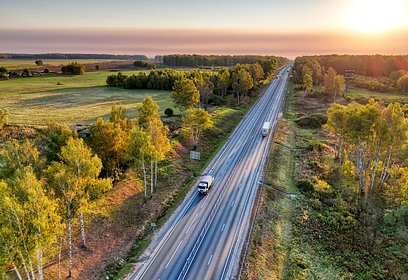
195,155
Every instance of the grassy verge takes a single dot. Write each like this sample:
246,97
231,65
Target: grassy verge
272,228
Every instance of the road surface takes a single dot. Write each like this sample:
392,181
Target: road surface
205,236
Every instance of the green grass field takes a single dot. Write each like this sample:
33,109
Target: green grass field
386,97
13,64
70,99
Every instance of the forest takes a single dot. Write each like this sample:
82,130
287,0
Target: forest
376,73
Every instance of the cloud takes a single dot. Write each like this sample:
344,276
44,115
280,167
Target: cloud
155,41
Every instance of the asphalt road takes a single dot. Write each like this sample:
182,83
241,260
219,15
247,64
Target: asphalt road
205,237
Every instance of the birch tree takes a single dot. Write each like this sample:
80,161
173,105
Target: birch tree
223,81
75,181
196,121
29,225
140,150
150,122
375,139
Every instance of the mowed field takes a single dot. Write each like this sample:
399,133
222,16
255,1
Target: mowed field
70,99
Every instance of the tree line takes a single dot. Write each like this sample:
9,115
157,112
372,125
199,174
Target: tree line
395,79
366,65
195,60
240,81
309,73
144,64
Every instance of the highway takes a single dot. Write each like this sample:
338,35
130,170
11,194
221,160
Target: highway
205,236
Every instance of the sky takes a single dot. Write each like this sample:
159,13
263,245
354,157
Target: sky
153,27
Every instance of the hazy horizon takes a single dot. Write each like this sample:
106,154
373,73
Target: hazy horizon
158,27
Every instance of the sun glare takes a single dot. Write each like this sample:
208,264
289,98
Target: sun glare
377,15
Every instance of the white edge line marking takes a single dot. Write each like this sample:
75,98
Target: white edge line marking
209,260
223,226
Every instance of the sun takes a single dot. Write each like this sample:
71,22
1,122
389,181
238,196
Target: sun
377,15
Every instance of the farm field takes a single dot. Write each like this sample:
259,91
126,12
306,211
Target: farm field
70,99
386,97
13,64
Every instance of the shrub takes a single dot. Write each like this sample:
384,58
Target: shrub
74,68
26,72
169,112
4,76
313,121
97,67
390,218
142,64
305,185
3,70
39,62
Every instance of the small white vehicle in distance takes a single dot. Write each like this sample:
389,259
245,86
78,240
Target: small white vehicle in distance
265,128
205,184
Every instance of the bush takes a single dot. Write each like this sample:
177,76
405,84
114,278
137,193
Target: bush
74,68
3,70
305,185
142,64
169,112
26,72
313,121
97,67
39,62
46,70
4,76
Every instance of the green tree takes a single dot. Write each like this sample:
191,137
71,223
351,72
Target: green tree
308,82
196,121
29,224
16,156
185,95
150,122
109,140
330,81
57,136
402,83
339,85
205,88
140,150
375,142
256,72
269,65
241,83
73,68
223,81
75,181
